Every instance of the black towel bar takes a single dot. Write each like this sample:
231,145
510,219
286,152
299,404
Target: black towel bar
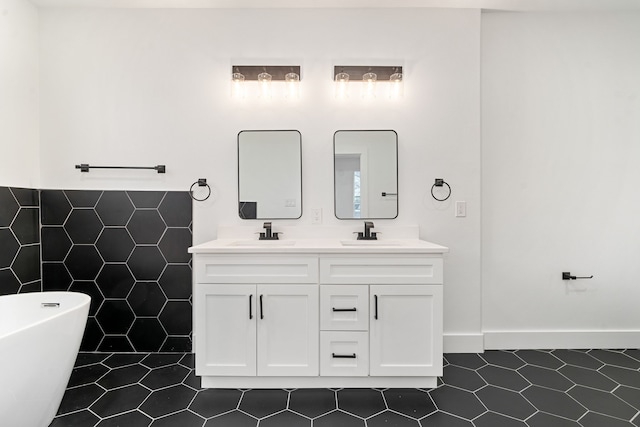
566,275
85,167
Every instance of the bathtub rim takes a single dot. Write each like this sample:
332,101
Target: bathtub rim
83,300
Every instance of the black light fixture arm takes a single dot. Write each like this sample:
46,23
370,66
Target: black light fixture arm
356,72
277,72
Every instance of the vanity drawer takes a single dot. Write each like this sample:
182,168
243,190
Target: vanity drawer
255,269
381,270
344,307
344,354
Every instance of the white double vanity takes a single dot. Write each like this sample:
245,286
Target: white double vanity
316,310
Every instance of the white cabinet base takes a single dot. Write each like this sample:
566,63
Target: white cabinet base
331,319
319,382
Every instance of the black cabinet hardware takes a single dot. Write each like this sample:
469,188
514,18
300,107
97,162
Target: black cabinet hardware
261,311
344,309
343,356
250,307
375,303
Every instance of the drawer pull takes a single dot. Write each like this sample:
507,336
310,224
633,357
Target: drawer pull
344,309
343,356
250,306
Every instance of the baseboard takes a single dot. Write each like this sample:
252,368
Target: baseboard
463,343
525,340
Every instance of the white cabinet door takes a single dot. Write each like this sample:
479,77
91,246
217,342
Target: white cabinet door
405,330
288,330
226,329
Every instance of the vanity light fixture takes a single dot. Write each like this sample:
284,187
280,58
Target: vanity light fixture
369,85
396,89
292,81
370,76
243,76
237,85
264,80
341,79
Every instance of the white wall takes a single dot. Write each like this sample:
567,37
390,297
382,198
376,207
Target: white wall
560,136
560,153
19,165
152,86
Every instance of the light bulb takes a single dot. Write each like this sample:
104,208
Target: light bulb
264,81
292,80
342,81
369,88
396,88
237,85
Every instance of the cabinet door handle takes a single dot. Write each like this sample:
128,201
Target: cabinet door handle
343,309
250,306
261,311
375,304
343,356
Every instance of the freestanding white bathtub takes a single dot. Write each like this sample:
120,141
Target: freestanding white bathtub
40,336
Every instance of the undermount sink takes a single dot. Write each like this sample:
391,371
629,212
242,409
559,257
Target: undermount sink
370,243
260,243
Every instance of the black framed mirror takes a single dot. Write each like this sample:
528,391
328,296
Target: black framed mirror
365,165
269,174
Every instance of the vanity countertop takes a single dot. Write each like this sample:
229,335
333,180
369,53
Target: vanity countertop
318,245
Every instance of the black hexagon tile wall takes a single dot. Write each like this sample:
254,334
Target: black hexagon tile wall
126,249
19,240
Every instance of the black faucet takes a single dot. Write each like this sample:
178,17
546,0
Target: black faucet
368,234
267,234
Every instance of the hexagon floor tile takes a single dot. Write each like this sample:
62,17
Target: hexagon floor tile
161,390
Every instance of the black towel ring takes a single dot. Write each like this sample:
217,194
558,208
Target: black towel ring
201,182
439,183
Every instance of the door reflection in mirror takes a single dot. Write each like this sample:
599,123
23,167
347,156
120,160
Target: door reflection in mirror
348,186
366,174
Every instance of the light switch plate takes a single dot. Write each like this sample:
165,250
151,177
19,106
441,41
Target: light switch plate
461,209
316,216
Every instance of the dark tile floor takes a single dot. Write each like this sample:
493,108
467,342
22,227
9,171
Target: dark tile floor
559,388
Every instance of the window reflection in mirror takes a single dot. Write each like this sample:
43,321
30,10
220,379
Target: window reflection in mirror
365,174
269,174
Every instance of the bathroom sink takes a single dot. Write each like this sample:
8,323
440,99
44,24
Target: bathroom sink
262,243
373,243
